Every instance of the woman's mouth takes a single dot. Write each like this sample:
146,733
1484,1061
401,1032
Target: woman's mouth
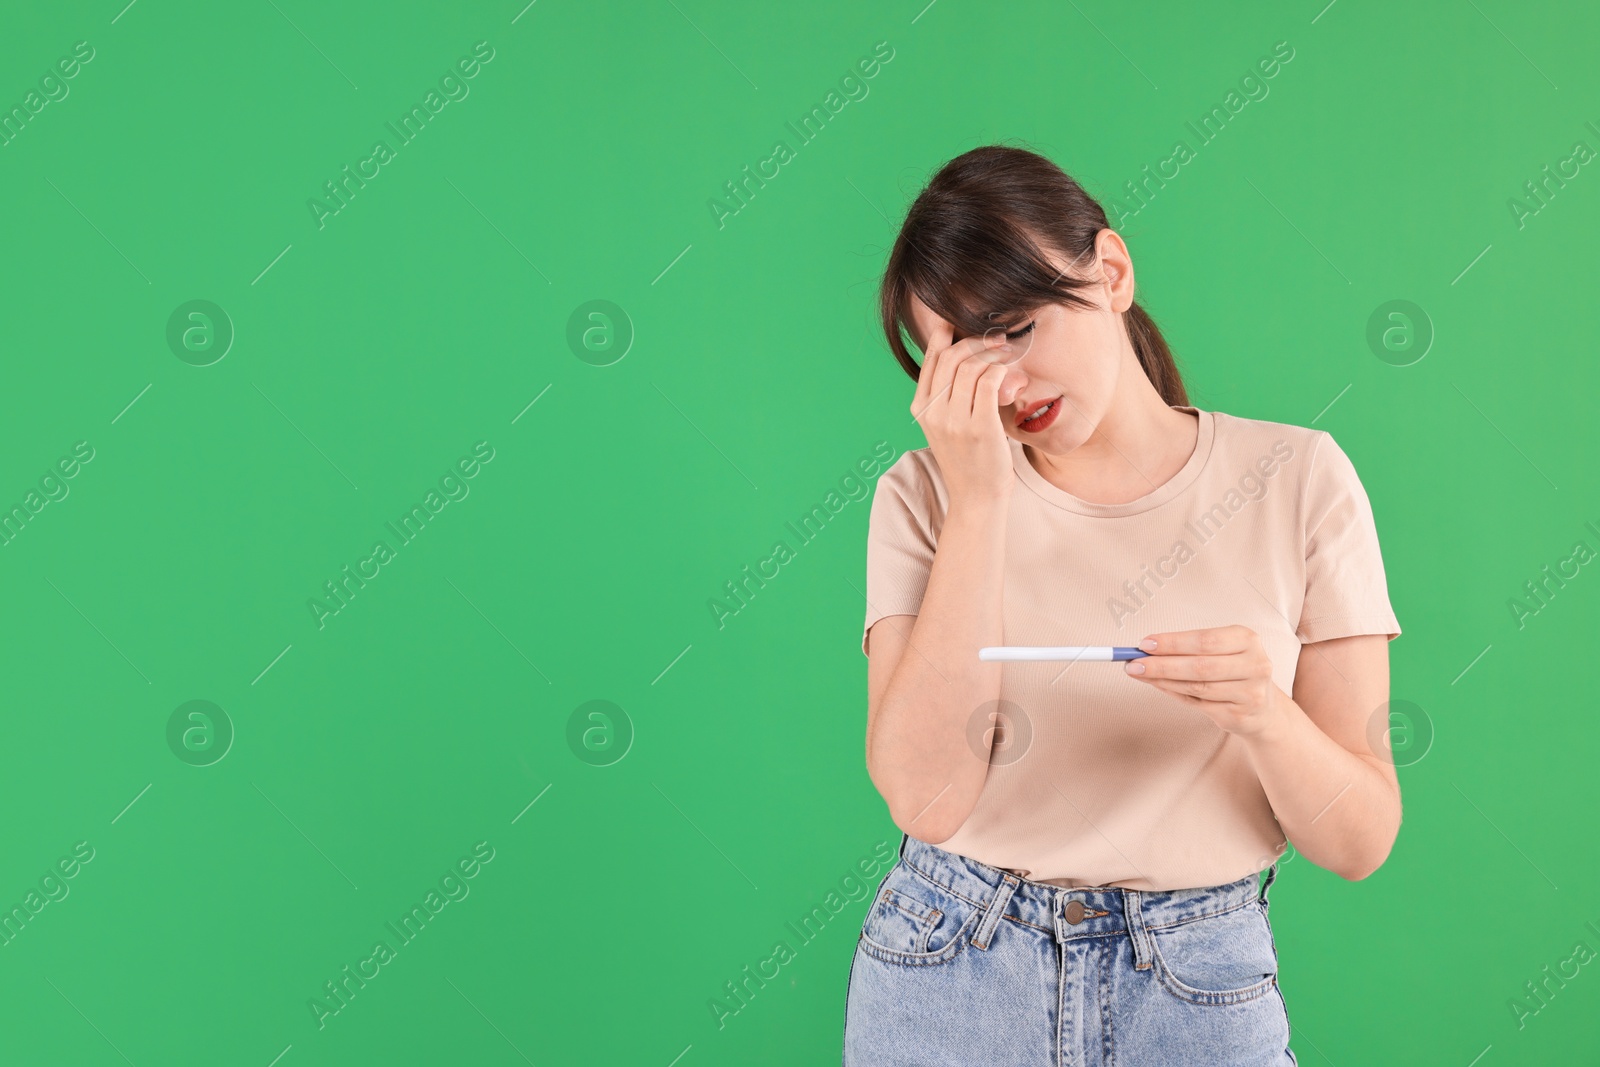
1040,416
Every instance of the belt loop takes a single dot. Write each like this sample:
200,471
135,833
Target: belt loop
1132,906
995,910
1272,872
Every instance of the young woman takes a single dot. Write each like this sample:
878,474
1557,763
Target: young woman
1077,883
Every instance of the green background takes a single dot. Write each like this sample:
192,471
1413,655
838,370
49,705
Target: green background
428,715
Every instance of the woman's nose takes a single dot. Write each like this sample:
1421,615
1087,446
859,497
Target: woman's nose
1012,385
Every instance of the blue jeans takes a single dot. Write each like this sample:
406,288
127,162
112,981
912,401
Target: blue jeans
962,963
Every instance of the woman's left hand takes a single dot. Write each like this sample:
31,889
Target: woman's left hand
1222,670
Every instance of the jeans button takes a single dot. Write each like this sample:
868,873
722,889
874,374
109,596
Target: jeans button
1074,912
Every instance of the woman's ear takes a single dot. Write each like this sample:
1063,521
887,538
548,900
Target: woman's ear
1117,269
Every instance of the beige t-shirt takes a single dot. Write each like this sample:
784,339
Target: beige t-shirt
1103,779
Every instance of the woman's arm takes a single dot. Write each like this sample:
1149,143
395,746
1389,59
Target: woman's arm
1336,798
927,689
928,743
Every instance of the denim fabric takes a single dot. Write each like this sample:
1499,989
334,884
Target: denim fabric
962,963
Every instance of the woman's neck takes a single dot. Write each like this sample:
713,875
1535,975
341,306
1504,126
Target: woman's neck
1134,450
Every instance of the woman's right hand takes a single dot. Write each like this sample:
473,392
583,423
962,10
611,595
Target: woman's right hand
957,406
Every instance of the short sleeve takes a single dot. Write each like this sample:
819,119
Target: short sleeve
900,542
1347,592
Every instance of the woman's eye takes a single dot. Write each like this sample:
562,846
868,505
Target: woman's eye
1026,329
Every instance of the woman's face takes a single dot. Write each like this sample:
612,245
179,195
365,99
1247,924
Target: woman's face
1066,356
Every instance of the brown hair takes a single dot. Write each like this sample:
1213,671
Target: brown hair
970,246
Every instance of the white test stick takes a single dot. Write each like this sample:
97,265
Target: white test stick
1031,653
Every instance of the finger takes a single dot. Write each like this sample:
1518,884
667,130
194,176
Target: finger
964,390
966,351
1019,346
1180,691
1195,668
986,392
1213,640
923,396
938,340
982,343
945,364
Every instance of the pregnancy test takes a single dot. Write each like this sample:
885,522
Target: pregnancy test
1029,653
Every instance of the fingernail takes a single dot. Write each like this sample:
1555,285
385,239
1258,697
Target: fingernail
1148,644
1135,667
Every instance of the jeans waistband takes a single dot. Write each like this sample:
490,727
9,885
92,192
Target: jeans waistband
1099,912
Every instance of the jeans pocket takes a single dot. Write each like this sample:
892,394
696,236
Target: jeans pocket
916,922
1226,958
